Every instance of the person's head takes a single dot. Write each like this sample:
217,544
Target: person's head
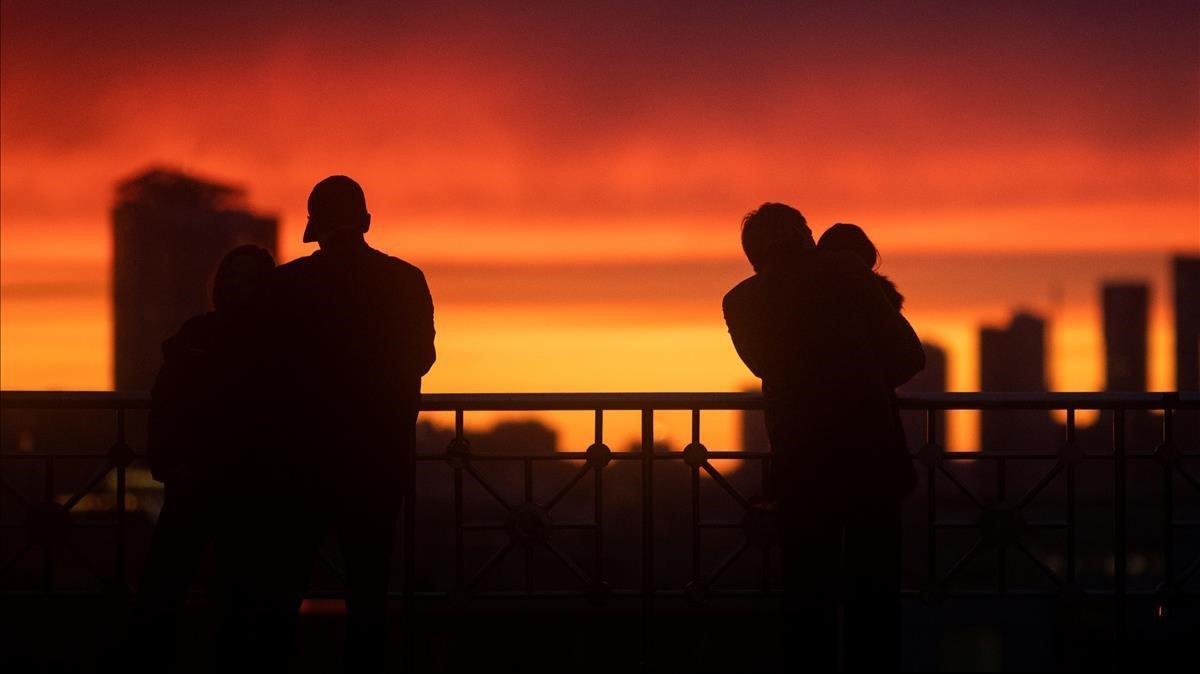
773,235
241,276
852,239
336,207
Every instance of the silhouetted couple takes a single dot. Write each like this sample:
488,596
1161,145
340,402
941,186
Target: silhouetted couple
289,413
825,335
285,415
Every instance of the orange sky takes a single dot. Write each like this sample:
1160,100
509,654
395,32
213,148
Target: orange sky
552,131
545,133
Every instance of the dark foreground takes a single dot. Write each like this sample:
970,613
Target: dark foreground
1012,634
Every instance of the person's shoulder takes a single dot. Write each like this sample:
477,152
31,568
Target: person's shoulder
397,267
195,332
198,326
297,266
291,277
742,292
290,272
746,286
398,264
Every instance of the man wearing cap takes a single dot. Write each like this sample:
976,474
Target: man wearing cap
348,334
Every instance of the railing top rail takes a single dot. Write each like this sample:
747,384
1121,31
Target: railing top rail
659,401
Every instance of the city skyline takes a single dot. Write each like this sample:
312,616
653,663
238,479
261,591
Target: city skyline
1130,344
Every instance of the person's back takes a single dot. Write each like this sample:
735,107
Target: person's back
355,336
347,333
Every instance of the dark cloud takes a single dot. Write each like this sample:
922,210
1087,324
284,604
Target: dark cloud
640,109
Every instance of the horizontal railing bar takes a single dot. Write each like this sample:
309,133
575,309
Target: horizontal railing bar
954,455
61,455
478,456
75,521
720,454
993,454
974,524
618,593
1089,400
73,399
555,456
1026,594
449,402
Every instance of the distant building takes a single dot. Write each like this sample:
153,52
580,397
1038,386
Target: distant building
170,231
1186,272
1013,359
1126,311
1126,306
932,379
516,436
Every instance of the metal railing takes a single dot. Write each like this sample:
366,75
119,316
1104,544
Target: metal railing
1001,523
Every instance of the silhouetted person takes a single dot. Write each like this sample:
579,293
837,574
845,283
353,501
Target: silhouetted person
829,348
195,449
849,238
349,332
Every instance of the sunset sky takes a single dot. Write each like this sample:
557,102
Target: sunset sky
541,140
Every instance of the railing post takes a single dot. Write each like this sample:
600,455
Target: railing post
47,548
1119,536
647,537
1071,499
528,549
598,505
931,502
459,561
121,534
1001,550
410,563
695,470
1168,466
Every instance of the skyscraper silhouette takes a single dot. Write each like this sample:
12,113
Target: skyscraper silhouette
1125,311
1013,359
930,380
169,232
1186,272
1186,276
